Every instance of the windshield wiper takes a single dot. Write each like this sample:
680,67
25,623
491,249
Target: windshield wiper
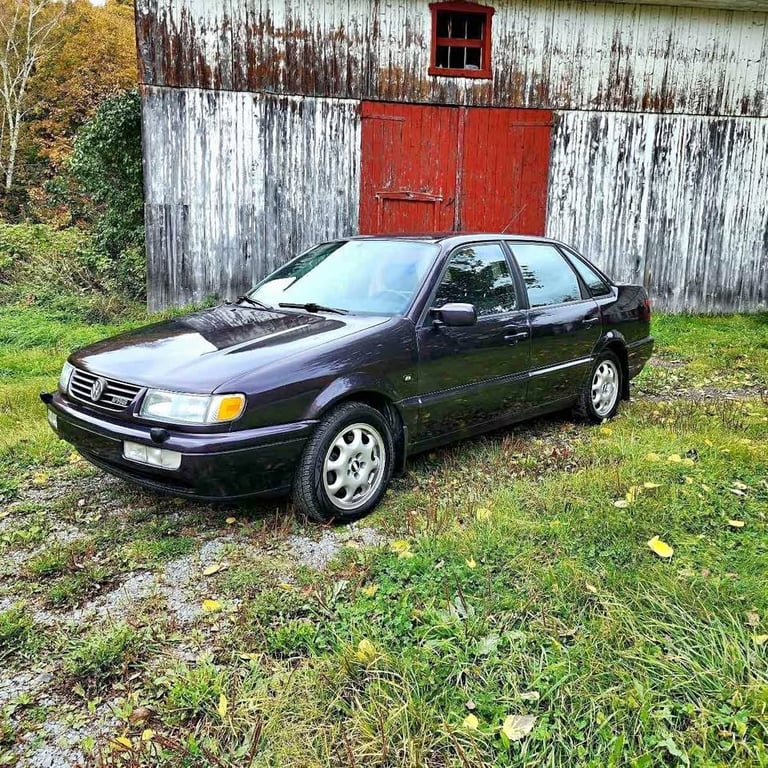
250,301
310,306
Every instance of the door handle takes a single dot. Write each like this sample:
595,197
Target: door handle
513,338
590,321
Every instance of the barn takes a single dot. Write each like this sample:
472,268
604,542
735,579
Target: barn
636,131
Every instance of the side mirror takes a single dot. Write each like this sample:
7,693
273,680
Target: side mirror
454,314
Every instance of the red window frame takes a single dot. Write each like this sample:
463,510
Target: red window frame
454,42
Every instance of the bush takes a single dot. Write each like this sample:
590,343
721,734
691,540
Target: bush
107,162
66,271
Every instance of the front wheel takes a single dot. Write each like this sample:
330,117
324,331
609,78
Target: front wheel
601,395
346,465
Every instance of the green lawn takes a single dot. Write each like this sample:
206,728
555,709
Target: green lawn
512,613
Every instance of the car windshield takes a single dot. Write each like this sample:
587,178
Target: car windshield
360,276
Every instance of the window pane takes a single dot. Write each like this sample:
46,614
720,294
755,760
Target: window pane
479,275
547,276
593,281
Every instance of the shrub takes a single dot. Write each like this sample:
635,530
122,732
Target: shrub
107,163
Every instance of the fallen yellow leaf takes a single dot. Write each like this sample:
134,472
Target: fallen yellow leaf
651,486
366,651
482,513
147,734
621,503
591,588
39,479
223,706
371,590
211,569
121,743
675,458
606,431
471,563
760,639
471,723
736,523
517,727
211,606
652,457
399,545
286,586
660,548
74,458
406,555
688,462
231,520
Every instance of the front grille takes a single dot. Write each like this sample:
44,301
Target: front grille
117,395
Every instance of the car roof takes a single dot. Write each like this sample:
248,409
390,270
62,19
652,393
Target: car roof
454,238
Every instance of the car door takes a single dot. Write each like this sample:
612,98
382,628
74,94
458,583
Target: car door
564,323
473,375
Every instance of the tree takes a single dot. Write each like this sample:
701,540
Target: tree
25,30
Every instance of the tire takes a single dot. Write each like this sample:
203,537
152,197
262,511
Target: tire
346,465
601,395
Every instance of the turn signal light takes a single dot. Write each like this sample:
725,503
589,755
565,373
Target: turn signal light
230,407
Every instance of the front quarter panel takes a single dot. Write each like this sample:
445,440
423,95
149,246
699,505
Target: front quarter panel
380,360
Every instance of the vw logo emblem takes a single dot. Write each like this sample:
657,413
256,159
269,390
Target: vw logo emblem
97,389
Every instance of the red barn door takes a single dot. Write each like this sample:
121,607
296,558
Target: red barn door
439,169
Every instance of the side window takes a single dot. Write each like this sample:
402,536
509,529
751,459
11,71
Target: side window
479,275
597,286
548,277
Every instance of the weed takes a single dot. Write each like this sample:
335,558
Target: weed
102,654
17,631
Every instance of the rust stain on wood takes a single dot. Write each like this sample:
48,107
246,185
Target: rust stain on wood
546,53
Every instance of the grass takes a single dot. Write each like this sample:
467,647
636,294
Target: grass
515,581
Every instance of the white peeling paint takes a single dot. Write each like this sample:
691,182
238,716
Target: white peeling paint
678,203
238,183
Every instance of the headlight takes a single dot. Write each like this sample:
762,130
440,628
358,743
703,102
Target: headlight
192,409
64,377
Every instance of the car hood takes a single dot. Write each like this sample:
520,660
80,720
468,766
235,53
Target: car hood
202,351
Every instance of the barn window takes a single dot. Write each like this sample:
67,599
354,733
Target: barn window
461,40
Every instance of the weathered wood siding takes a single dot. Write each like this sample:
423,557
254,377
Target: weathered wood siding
678,203
552,54
237,183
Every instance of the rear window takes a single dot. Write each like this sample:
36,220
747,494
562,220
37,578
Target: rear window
547,275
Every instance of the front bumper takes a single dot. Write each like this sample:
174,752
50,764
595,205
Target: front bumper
220,466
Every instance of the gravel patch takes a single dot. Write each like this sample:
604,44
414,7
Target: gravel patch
315,554
318,553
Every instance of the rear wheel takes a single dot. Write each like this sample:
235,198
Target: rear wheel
346,465
601,395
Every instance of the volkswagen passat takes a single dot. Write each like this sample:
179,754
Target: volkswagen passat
335,368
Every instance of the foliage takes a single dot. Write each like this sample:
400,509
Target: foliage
107,161
91,54
26,28
66,270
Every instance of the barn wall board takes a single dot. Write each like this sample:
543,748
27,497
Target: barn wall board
678,203
550,54
237,183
